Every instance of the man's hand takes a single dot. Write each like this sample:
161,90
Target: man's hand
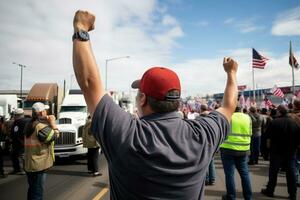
230,66
83,20
51,120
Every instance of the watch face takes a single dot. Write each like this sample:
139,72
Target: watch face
84,35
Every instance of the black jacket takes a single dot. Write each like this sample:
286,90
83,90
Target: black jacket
284,135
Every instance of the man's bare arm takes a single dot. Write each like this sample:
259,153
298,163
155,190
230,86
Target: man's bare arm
84,62
230,95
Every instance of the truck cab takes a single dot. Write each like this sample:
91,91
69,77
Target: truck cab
47,93
72,117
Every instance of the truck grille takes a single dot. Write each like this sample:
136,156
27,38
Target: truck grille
65,121
65,138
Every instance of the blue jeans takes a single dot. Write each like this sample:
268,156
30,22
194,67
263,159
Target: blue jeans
255,149
211,172
36,182
276,161
240,163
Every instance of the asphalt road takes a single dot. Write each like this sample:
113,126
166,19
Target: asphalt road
68,179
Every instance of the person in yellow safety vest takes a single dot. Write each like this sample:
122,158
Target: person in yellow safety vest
234,154
40,134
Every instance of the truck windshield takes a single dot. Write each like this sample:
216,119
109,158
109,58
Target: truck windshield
28,104
73,109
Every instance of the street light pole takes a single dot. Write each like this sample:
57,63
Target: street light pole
106,62
21,84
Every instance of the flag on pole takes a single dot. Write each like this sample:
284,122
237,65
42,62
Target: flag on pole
248,103
292,60
258,61
277,92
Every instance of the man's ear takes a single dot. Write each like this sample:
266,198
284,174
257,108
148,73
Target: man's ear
143,100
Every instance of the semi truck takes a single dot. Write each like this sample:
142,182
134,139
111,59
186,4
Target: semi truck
48,93
72,117
8,103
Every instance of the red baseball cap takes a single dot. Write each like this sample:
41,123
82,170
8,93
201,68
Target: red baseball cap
157,82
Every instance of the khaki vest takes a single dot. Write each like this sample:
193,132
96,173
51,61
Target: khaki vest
38,156
87,136
239,138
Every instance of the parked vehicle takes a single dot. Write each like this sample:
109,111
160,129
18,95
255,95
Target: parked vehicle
8,103
72,117
47,93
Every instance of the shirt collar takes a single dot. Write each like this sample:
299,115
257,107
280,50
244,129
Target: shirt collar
161,116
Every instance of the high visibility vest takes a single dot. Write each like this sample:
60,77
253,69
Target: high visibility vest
38,156
88,139
240,136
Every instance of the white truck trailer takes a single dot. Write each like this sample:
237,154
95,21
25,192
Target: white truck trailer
8,103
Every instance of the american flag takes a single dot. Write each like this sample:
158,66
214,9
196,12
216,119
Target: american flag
292,60
277,92
268,102
258,61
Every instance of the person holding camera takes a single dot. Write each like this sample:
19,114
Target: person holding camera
40,134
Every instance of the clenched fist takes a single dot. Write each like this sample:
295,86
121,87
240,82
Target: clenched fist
230,66
83,20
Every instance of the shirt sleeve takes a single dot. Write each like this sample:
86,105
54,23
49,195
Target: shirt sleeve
216,127
112,127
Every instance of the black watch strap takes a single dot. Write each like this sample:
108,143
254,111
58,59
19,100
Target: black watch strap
81,35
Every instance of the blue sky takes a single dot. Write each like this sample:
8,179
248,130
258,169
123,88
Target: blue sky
190,37
204,24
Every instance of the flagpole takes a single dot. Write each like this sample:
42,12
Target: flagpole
253,83
293,73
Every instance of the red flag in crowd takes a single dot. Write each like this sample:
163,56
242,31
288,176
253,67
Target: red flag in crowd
258,61
277,92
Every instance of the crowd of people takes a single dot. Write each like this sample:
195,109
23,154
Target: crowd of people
30,142
272,134
160,154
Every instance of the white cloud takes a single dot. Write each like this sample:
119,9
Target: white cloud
206,76
38,34
245,25
169,20
287,23
229,20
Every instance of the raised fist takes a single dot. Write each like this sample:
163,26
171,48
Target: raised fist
230,65
83,20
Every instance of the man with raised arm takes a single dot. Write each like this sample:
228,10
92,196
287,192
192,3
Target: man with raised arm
159,155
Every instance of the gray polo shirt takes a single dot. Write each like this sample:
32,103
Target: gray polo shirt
160,156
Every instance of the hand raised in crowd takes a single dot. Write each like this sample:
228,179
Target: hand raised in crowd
230,65
83,20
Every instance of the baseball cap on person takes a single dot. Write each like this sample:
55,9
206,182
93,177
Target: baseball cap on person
157,82
39,107
18,111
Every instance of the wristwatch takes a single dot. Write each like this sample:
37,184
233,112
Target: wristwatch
81,35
